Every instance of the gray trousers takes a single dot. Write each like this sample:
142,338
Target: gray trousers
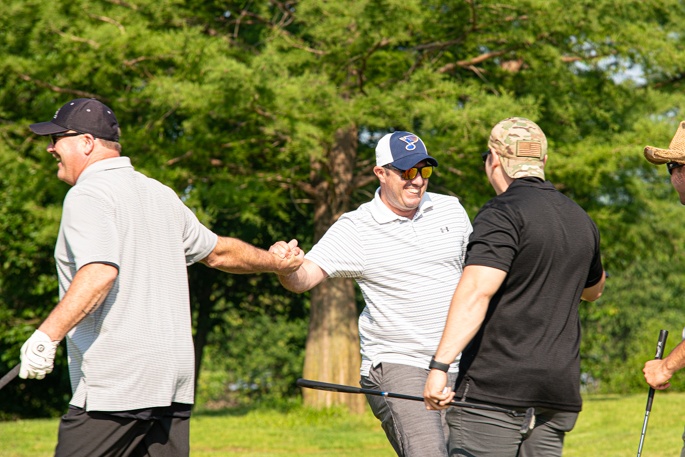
494,434
413,431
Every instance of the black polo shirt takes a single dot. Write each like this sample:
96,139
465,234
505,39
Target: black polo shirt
527,351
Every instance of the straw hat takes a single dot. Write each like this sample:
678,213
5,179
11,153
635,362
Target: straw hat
675,151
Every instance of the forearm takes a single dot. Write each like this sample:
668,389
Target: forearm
304,278
235,256
676,359
464,319
469,305
86,293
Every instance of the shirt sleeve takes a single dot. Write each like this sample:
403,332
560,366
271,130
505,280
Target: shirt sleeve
494,241
596,268
198,240
339,252
88,224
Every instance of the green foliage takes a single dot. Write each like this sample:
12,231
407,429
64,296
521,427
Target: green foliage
236,105
252,359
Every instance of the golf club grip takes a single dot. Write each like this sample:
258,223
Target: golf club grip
351,390
663,335
10,375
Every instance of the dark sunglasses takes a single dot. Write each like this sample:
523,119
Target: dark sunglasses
411,173
672,166
54,138
484,155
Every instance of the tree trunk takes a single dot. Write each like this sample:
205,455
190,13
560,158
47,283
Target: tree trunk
201,279
332,350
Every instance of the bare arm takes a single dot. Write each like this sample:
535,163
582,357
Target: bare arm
305,278
659,372
86,293
308,276
235,256
467,311
592,293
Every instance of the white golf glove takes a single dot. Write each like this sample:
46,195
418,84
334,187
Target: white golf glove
37,356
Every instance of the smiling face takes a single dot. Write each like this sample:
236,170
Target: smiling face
70,152
401,196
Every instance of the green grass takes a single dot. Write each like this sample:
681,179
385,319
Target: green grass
609,426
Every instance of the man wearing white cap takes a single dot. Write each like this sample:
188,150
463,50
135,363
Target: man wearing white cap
533,255
405,249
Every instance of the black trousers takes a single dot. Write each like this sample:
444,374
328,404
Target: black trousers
96,434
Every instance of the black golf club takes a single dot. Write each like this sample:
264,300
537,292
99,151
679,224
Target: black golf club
663,334
10,375
529,415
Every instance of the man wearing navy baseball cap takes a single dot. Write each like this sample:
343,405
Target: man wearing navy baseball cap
83,115
124,244
405,249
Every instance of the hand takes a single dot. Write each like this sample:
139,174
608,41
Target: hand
657,374
282,249
290,256
37,356
436,394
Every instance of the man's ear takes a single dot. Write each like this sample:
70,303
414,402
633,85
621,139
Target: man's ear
380,173
88,143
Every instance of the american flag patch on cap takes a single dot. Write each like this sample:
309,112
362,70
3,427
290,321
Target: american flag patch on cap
529,149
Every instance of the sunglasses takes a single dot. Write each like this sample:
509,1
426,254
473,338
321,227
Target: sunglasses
411,173
672,166
54,138
484,155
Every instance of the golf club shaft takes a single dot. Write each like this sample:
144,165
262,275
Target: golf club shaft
10,375
358,390
663,334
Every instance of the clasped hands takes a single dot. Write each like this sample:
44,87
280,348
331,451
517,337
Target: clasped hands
290,254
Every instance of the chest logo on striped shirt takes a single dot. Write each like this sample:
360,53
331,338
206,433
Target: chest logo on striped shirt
444,229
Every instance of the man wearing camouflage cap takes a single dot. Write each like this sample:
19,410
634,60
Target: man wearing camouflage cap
532,256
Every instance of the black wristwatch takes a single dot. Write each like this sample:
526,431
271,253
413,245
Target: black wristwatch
438,365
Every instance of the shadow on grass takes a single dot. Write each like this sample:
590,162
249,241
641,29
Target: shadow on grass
282,406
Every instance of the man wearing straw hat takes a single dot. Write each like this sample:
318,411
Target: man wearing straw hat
659,372
674,158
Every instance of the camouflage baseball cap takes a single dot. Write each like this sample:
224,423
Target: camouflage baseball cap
675,151
521,146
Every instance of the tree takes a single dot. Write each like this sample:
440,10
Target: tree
448,71
263,116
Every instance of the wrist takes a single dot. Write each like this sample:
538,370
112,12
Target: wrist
435,365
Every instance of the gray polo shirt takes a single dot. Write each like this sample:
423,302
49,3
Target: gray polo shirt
136,350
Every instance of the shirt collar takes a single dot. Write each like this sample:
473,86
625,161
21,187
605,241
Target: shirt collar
382,214
104,165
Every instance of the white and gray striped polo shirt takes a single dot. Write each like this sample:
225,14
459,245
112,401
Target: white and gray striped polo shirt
407,270
136,350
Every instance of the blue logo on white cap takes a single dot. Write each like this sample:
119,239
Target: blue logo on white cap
411,141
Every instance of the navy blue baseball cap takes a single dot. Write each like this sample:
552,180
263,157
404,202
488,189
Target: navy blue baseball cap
85,115
402,150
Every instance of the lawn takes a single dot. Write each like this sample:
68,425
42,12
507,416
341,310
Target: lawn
609,426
